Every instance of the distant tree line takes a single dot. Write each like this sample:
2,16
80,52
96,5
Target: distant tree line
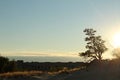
7,65
47,66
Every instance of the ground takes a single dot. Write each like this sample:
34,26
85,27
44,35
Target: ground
95,71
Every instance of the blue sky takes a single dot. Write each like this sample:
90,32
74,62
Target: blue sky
54,26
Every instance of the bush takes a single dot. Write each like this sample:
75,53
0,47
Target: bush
3,62
10,67
6,65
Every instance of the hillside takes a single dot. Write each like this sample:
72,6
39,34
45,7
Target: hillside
106,70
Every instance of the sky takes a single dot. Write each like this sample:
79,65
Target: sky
54,27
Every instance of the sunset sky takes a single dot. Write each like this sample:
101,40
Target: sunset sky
54,27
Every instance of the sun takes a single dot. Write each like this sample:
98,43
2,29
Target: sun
116,40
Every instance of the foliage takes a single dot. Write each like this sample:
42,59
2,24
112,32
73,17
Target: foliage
10,67
95,45
116,52
3,62
6,65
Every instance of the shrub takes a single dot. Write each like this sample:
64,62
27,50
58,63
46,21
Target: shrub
6,65
3,62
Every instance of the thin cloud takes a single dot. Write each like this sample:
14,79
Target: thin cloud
27,53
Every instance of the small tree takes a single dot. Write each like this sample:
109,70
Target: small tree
95,45
10,67
6,65
3,61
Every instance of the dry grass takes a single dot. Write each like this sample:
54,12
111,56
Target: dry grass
65,70
24,73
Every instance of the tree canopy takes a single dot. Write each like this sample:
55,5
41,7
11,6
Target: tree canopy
95,45
6,65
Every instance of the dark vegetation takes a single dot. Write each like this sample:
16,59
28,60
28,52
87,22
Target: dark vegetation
6,65
48,66
95,45
20,65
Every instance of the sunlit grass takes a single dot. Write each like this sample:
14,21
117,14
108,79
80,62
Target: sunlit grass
24,73
65,70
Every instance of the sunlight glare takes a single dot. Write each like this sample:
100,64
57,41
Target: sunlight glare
116,40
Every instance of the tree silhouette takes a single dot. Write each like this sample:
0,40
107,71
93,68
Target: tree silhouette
6,65
95,45
10,66
3,62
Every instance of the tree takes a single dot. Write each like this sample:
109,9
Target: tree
95,45
10,67
3,61
6,65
